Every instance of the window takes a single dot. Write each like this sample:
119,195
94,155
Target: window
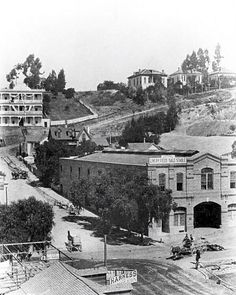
144,80
61,168
162,181
179,219
179,181
232,179
207,178
88,172
79,172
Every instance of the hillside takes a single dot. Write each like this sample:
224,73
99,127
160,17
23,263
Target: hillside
209,114
65,109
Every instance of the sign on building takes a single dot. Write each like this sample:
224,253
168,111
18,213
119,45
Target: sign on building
167,159
122,276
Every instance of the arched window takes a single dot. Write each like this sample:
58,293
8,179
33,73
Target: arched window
162,181
179,182
207,178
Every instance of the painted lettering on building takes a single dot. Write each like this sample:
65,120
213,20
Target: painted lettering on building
170,159
122,276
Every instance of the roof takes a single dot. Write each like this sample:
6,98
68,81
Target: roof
57,279
36,135
180,72
142,146
66,133
147,72
129,157
100,141
214,144
223,71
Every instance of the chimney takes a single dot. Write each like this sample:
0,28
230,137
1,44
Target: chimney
88,129
144,140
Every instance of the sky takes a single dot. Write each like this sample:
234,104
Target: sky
97,40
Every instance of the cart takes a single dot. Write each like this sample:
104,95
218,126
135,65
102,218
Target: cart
73,242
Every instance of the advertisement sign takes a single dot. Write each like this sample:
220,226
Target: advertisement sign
169,159
122,276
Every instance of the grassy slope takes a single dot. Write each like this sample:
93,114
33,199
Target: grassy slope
64,109
103,103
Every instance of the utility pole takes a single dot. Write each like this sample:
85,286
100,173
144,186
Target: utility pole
105,250
6,197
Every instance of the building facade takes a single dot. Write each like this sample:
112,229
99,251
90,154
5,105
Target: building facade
203,184
183,77
145,78
21,106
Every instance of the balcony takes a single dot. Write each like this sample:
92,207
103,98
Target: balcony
20,113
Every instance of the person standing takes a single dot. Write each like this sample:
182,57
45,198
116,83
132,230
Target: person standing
198,256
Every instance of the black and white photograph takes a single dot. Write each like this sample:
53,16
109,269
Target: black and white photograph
118,147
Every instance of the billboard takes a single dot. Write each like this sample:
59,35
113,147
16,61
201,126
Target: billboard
169,159
122,276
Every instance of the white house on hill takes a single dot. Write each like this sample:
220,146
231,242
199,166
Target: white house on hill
145,78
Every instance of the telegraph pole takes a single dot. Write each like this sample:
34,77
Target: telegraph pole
105,250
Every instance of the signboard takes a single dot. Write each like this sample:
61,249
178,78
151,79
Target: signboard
122,276
53,256
169,159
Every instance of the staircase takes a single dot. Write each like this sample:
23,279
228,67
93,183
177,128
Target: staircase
20,273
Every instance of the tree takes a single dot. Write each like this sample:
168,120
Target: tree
80,193
50,83
218,57
193,62
124,199
186,65
48,154
69,93
46,104
172,117
31,69
61,81
27,220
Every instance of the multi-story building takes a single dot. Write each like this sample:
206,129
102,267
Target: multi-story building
183,77
21,106
145,78
203,184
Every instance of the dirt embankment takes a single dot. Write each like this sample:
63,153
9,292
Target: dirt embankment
209,114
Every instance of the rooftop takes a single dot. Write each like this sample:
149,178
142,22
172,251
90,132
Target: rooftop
180,71
214,144
130,157
146,72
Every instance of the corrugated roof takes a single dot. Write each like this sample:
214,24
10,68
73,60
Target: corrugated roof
58,279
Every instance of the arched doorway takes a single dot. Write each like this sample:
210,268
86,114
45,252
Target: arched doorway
207,214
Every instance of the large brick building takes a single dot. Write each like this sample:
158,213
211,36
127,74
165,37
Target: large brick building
203,184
